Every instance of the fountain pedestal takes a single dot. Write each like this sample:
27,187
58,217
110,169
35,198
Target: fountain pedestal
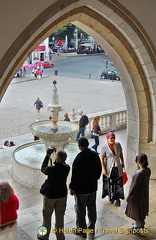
54,110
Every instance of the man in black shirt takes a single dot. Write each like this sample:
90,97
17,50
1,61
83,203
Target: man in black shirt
82,124
86,170
56,193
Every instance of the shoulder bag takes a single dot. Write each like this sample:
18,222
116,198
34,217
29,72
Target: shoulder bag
45,184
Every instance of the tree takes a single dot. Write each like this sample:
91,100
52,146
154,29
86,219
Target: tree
69,31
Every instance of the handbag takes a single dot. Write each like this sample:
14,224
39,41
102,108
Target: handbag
45,184
92,133
105,186
44,187
124,178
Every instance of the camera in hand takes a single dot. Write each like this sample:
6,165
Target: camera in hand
50,150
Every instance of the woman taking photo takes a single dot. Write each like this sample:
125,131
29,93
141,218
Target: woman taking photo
96,132
112,164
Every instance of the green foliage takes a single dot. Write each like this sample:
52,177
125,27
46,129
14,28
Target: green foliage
69,31
63,29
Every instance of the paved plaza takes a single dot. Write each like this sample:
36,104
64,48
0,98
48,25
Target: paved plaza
17,109
16,114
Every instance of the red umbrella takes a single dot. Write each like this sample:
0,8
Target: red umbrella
60,42
28,66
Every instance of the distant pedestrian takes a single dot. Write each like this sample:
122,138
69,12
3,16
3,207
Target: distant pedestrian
58,51
34,72
66,118
39,105
38,73
12,144
106,63
36,138
96,132
6,144
82,124
19,72
41,68
111,63
23,71
50,54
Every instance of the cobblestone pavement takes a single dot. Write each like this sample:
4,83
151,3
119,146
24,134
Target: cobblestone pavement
17,109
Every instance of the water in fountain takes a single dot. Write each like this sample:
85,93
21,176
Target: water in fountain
33,155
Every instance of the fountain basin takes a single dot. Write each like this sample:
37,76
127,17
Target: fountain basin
59,138
27,162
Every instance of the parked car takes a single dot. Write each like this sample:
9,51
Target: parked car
45,64
110,74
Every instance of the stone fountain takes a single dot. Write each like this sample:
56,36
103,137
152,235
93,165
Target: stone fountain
54,133
28,158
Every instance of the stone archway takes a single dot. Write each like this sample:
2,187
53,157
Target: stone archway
126,42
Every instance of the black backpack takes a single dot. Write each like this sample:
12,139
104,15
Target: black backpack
86,120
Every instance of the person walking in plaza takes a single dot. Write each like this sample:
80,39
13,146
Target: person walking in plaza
86,170
41,68
82,124
55,197
96,132
138,197
112,164
34,72
38,73
38,103
107,61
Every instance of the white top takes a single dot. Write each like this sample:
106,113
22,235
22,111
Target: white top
112,160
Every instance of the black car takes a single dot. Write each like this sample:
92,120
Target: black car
110,74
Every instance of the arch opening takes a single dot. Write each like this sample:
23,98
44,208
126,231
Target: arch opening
126,49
